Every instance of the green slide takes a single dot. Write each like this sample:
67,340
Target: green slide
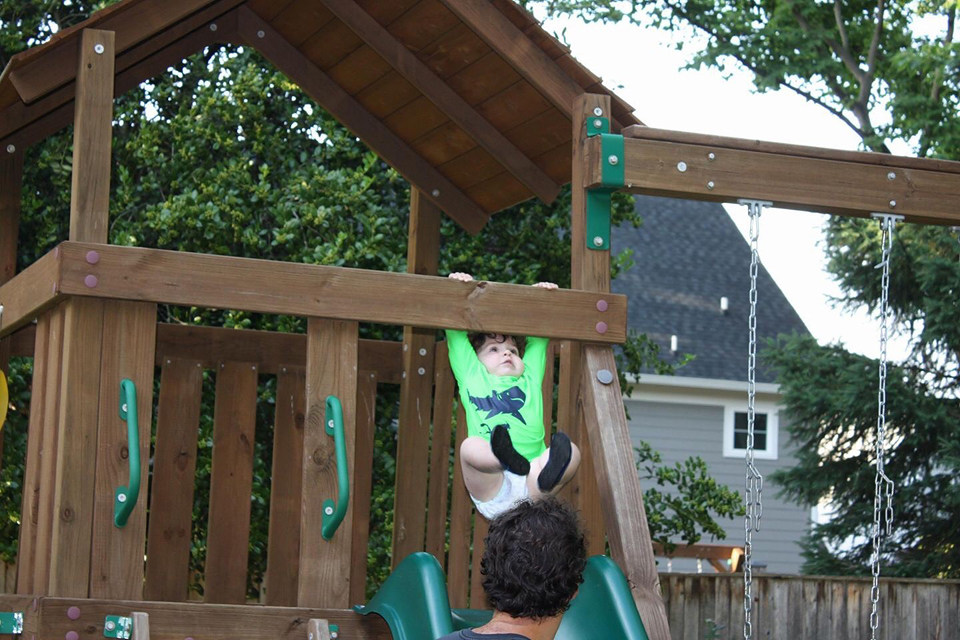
414,602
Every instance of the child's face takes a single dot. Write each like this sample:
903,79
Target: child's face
500,356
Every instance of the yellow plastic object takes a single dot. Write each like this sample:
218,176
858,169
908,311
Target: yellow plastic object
4,399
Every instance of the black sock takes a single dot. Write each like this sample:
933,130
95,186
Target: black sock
557,463
502,447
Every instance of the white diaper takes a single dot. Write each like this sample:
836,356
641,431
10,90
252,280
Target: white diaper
513,489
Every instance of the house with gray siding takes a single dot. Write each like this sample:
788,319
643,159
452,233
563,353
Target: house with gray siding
689,291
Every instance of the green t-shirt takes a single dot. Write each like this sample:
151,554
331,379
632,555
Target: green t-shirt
489,400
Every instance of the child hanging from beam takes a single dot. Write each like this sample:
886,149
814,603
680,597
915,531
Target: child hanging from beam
504,458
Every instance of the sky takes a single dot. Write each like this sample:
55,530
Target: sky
643,67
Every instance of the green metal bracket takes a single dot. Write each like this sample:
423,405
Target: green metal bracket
126,496
117,627
333,513
334,631
611,179
11,622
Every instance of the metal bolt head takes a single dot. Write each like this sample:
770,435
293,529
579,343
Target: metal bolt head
598,123
421,371
598,111
11,148
681,166
423,352
604,376
891,176
710,185
122,497
213,27
435,193
598,241
110,625
893,204
124,406
711,156
330,423
334,635
98,48
328,511
613,160
261,34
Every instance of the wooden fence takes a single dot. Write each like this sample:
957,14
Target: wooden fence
710,606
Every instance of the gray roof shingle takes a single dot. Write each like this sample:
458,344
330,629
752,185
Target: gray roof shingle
687,255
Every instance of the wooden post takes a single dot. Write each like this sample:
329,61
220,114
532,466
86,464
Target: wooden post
141,625
331,370
440,456
78,406
11,179
416,391
362,490
129,345
602,408
93,117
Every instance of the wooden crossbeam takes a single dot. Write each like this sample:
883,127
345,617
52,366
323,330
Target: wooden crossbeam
715,554
527,58
440,93
684,165
328,94
191,619
264,286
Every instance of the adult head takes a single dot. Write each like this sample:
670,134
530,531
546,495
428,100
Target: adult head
534,558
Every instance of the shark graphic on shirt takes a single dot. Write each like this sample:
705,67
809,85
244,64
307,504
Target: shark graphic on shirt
498,403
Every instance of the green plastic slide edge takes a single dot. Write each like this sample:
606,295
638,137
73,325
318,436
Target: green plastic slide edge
125,498
333,513
611,179
117,627
11,622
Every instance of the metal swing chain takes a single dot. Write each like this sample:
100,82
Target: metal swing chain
754,480
883,485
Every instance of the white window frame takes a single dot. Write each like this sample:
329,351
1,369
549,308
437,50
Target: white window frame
772,450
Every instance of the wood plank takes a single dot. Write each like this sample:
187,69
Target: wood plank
440,456
155,275
423,24
843,184
416,392
591,507
11,183
459,111
129,344
231,479
176,621
352,115
77,419
363,488
57,65
547,390
482,79
331,370
141,625
478,597
318,629
458,564
19,115
300,20
39,467
271,351
522,54
29,293
359,70
170,534
620,491
283,546
92,137
801,151
330,45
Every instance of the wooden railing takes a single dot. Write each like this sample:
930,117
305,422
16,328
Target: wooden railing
703,606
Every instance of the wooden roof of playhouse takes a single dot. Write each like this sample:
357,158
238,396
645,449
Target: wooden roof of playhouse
470,100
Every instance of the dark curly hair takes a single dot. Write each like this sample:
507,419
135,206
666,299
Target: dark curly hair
478,338
534,559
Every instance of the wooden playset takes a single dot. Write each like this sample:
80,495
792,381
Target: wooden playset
479,109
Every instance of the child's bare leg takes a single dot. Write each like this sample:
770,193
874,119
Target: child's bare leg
537,465
482,472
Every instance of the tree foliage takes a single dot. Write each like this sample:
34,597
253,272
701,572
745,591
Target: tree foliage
223,154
